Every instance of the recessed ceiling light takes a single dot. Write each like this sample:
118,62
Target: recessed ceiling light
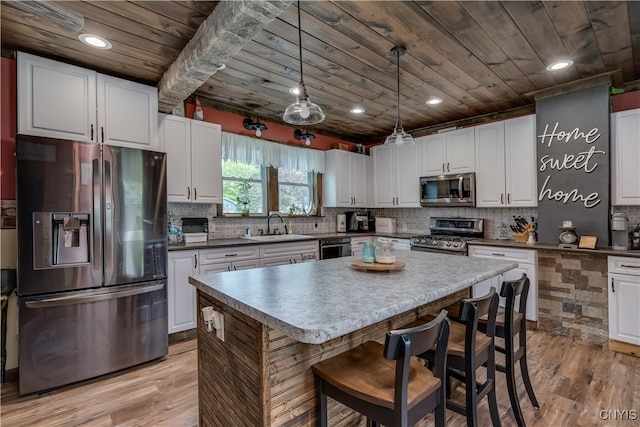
357,110
434,101
559,65
294,91
95,41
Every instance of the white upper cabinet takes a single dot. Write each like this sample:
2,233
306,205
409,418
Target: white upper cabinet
506,163
55,99
127,113
194,159
396,175
625,158
59,100
448,153
345,179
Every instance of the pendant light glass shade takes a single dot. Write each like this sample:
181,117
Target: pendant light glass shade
399,136
303,112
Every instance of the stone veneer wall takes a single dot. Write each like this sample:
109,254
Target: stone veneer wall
572,295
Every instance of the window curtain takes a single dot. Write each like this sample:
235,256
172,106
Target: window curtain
245,149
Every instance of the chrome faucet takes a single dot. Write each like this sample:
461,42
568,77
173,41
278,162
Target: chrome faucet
269,221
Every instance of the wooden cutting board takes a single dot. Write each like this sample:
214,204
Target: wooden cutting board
376,266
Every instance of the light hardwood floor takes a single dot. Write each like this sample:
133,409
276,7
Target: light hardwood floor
574,381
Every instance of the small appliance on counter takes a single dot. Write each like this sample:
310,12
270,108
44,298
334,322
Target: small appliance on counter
386,225
195,230
360,221
619,232
341,223
634,236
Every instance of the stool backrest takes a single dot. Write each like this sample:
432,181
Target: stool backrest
400,345
511,289
474,308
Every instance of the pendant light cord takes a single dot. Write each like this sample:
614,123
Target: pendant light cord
300,44
397,53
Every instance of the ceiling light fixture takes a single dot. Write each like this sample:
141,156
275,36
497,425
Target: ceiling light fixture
95,41
302,112
357,110
257,126
294,90
559,65
434,101
307,136
399,136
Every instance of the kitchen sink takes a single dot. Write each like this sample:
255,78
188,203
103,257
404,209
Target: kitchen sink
279,237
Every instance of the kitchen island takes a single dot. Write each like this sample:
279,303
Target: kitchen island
279,321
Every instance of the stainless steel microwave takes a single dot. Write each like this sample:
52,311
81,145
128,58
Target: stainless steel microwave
448,190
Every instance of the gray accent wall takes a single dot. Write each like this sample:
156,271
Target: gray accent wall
573,164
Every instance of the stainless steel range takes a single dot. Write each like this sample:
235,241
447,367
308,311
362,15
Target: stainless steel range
449,235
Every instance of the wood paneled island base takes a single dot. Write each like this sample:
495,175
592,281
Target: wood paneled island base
261,377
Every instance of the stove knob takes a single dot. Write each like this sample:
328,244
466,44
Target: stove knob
456,244
434,242
447,244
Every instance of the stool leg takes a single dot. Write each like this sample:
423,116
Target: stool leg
322,406
493,402
525,370
471,399
511,382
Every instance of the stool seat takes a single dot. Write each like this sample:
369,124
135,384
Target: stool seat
457,332
363,373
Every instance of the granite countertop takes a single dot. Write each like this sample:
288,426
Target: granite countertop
221,243
605,251
315,302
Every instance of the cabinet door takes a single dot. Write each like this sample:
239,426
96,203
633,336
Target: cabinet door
490,174
625,154
181,295
206,162
55,99
624,316
460,151
127,113
384,185
336,188
520,162
433,153
408,176
358,179
176,133
245,265
357,243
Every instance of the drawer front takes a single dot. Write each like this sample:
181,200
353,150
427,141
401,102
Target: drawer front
519,255
297,248
211,256
624,265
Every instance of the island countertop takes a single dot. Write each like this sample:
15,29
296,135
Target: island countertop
315,302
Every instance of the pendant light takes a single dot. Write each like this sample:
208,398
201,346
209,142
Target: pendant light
399,136
302,112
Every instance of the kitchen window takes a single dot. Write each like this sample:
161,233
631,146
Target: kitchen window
295,191
242,182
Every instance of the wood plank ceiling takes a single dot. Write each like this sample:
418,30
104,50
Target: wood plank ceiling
479,57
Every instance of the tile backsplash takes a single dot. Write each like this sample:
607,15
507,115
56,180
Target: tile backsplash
409,220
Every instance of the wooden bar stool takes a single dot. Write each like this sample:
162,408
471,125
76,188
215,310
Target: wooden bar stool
468,350
512,321
394,394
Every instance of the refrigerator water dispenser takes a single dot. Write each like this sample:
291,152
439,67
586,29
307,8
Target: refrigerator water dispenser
60,239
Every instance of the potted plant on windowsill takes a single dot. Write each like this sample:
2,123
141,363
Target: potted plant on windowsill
244,197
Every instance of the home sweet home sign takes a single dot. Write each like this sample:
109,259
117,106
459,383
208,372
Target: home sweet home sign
573,164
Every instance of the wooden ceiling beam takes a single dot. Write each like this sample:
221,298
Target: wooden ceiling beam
220,37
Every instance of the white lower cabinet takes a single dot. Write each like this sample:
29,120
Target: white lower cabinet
288,253
181,295
624,297
527,260
229,259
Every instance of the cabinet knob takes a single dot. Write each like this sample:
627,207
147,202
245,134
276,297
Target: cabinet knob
92,131
613,288
195,257
188,192
502,198
195,193
508,198
448,167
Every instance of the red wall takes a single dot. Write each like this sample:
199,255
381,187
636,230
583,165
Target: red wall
8,128
625,101
276,132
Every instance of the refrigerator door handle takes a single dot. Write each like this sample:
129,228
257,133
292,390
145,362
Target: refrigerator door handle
96,234
74,300
109,208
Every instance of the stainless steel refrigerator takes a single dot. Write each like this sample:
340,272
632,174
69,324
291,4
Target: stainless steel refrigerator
92,259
